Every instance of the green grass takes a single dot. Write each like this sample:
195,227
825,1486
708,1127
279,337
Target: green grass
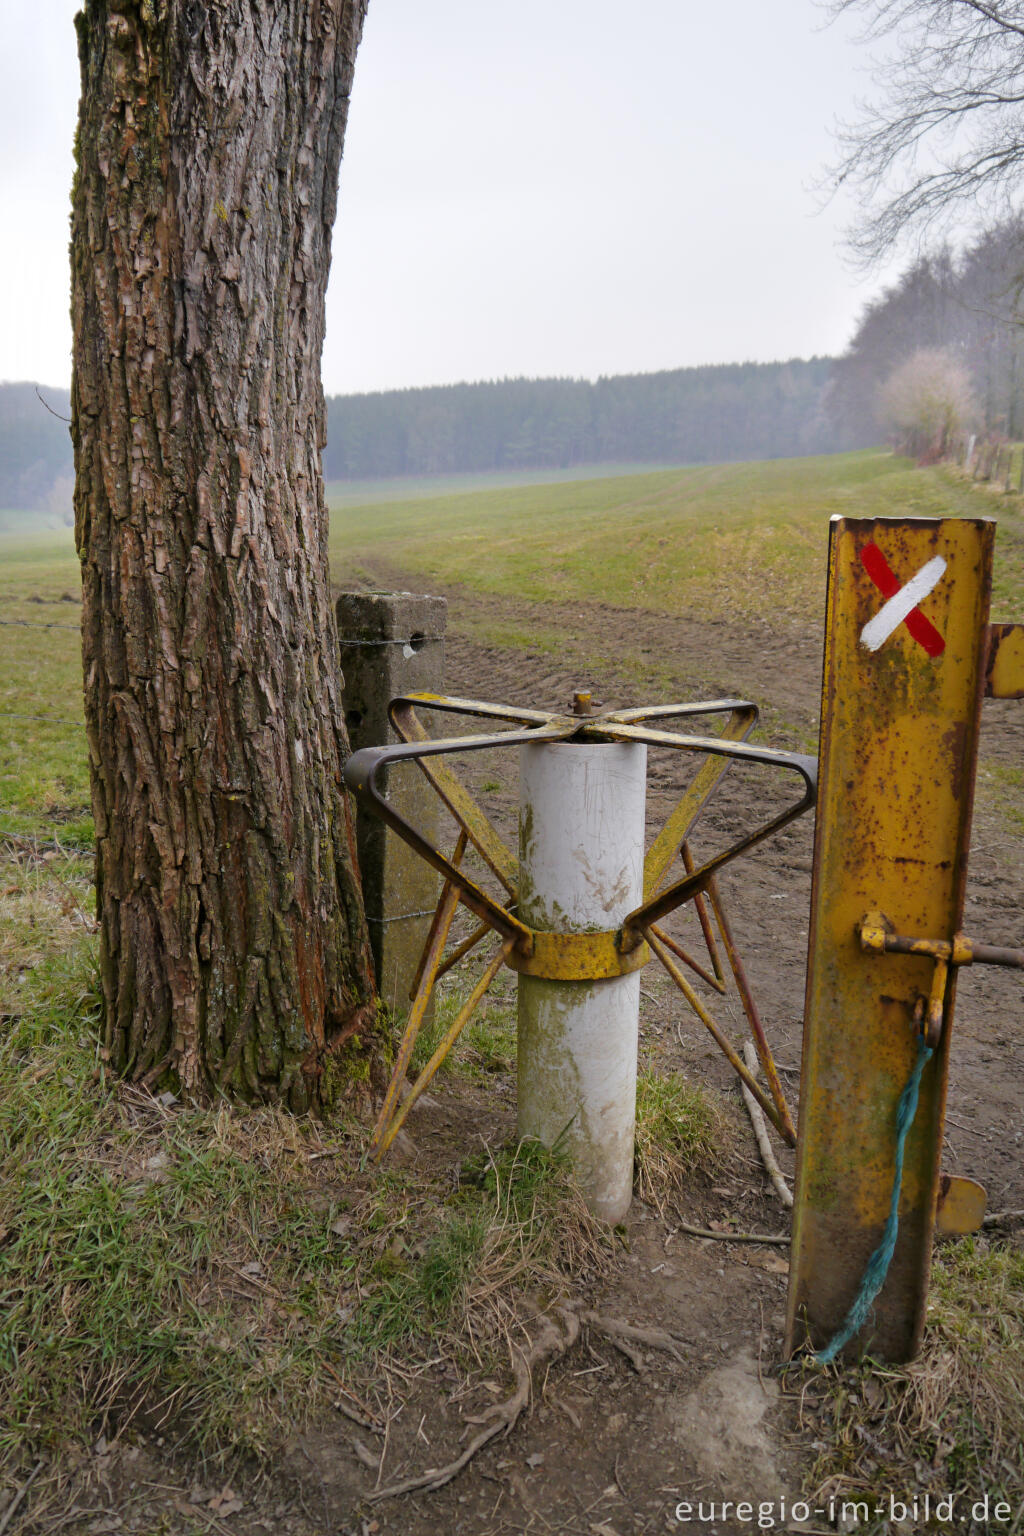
125,1236
707,540
517,1214
201,1267
487,1043
1002,787
44,779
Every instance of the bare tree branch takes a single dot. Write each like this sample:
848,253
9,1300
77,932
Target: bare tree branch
944,138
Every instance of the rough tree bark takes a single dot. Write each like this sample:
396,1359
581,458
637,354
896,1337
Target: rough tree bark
233,946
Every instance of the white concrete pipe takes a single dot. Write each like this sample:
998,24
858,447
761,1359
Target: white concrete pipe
581,850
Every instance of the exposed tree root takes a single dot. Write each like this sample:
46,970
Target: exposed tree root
624,1335
551,1343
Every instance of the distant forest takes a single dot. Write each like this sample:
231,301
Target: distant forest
36,468
968,304
688,415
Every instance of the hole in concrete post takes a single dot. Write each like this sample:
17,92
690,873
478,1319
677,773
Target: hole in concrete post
417,641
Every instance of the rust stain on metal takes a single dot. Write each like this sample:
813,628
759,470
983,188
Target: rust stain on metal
899,736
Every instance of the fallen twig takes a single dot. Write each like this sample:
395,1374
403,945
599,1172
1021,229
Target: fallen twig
779,1238
366,1419
12,1508
365,1455
1002,1218
764,1146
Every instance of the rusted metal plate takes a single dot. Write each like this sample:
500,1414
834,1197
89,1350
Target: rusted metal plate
1005,678
961,1204
905,643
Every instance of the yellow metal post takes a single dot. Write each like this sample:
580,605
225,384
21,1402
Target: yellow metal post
905,652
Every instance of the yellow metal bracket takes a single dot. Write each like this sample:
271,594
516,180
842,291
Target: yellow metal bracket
578,956
876,936
1004,673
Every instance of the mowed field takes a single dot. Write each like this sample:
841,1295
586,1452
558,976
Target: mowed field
648,587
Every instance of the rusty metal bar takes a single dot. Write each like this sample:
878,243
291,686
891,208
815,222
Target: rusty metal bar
961,951
905,643
764,1054
363,773
657,907
687,959
457,857
446,913
996,954
486,840
736,1062
705,921
462,950
684,817
449,1038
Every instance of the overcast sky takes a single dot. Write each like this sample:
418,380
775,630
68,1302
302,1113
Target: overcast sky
573,187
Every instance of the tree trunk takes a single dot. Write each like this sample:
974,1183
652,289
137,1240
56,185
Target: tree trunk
233,946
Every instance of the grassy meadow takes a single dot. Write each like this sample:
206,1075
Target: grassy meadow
710,539
212,1265
719,541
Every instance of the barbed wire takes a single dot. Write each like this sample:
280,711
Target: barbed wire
33,624
415,641
31,840
11,714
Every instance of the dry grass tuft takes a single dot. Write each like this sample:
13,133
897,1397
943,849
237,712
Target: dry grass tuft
951,1423
678,1131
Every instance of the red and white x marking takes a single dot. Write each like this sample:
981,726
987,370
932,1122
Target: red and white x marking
903,600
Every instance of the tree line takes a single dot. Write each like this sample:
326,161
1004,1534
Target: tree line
684,415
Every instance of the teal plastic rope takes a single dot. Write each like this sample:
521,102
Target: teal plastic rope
878,1264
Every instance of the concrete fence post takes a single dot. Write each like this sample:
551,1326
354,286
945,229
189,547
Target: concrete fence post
392,643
